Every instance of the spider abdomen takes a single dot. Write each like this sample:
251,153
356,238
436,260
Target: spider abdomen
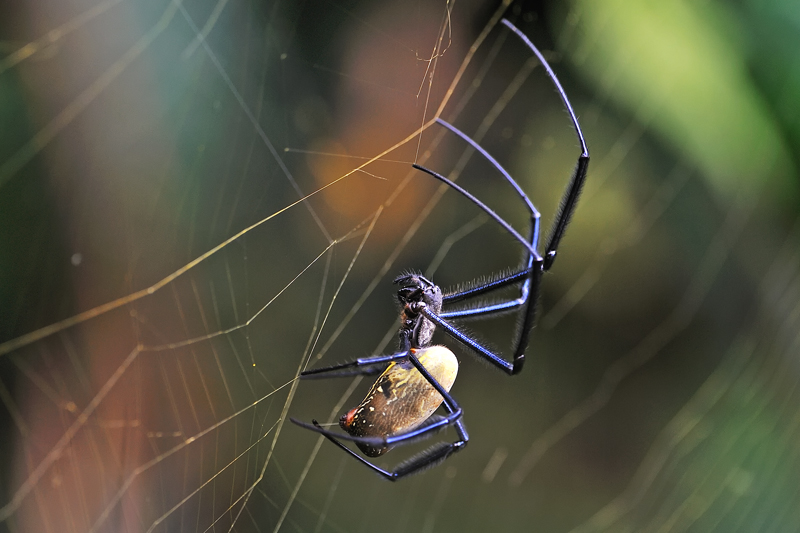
401,398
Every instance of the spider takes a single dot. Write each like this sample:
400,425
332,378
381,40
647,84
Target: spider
416,380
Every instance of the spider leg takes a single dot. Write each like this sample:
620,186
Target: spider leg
496,165
483,288
529,295
361,366
570,199
530,247
432,425
531,290
499,307
493,358
531,244
427,458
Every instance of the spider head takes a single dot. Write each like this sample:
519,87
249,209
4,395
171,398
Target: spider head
417,289
417,292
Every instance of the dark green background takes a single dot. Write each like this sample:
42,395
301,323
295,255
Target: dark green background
660,390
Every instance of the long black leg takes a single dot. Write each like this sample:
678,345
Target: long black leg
499,283
499,307
430,457
529,317
514,233
426,459
510,279
496,165
528,298
518,359
533,257
531,243
529,291
362,365
570,199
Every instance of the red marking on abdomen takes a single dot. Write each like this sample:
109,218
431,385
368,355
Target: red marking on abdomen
347,419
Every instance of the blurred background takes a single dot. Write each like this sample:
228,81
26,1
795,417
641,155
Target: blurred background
184,227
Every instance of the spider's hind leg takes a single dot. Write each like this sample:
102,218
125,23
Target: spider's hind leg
424,460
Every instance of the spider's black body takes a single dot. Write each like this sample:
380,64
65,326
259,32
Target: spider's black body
418,377
417,293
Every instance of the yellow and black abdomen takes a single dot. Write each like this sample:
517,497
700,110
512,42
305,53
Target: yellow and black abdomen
401,399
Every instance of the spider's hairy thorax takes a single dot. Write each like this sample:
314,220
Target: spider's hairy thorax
417,292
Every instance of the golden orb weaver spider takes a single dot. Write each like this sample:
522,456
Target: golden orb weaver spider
400,405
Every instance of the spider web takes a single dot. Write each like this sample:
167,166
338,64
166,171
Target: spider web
200,199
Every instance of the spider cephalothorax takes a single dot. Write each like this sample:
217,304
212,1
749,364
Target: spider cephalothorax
417,293
416,380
